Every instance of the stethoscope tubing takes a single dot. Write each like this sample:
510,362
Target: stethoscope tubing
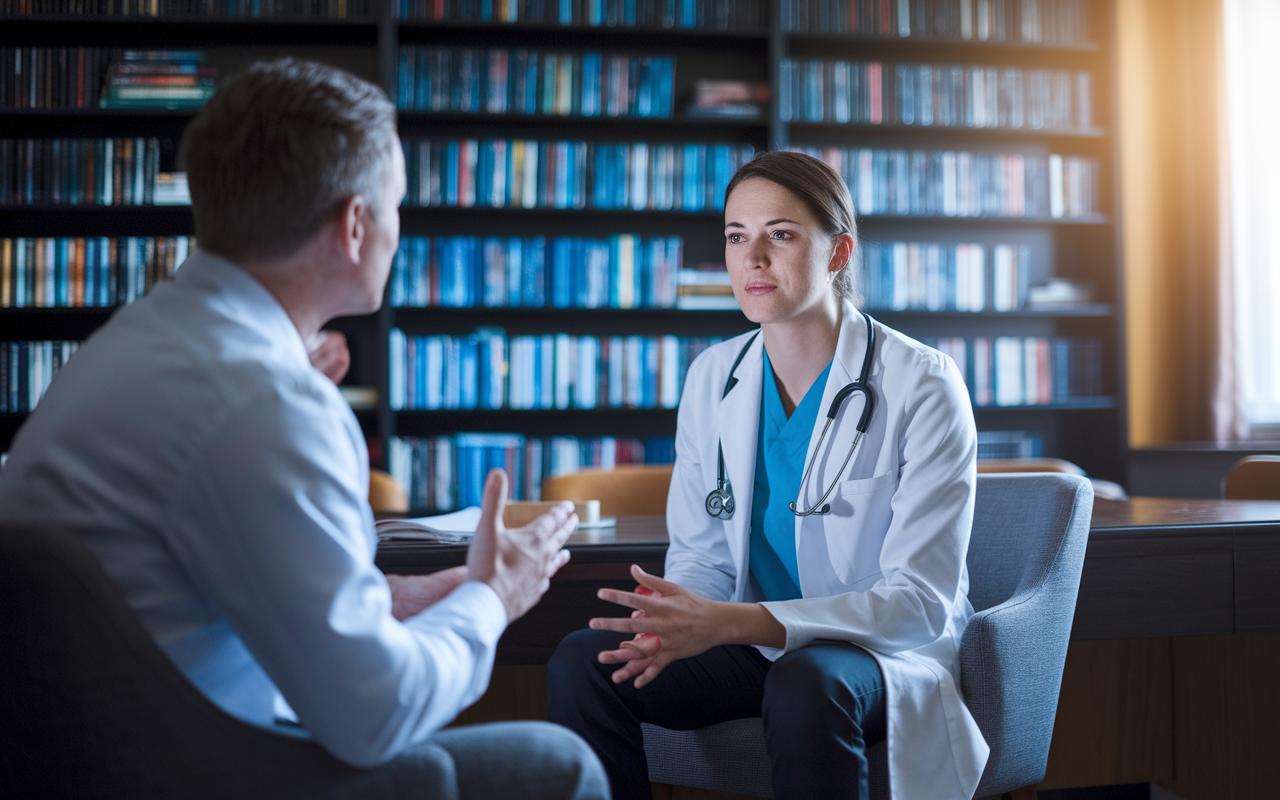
720,502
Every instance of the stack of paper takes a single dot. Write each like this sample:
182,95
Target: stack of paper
455,528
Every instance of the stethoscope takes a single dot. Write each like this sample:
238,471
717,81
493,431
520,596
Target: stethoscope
720,503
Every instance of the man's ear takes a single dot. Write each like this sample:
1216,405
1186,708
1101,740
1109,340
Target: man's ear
352,228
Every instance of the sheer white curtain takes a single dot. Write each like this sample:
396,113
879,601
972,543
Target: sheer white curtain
1252,31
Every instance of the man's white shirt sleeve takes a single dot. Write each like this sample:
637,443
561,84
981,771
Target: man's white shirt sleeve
275,531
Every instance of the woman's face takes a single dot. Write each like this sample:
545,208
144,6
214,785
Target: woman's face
779,257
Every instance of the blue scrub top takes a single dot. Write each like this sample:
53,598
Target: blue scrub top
781,446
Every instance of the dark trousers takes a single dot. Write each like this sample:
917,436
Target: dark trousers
822,705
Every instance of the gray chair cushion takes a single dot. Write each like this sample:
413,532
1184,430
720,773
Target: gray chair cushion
92,708
1025,557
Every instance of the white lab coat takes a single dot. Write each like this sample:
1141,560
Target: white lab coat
886,568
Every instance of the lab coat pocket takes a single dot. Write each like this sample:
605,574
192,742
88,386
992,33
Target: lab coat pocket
856,527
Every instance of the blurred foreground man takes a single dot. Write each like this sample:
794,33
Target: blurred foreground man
222,480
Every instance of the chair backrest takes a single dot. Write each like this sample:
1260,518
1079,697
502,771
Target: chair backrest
93,708
1253,478
386,494
1025,557
631,490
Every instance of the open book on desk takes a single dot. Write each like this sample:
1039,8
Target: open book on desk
456,528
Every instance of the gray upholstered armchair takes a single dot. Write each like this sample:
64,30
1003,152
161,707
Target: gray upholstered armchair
1025,557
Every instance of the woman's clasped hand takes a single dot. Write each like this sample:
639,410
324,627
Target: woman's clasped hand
671,623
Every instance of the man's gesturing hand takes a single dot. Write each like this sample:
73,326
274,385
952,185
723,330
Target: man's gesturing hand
517,563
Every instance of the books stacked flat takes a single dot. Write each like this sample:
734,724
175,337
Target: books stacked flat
729,99
170,79
705,288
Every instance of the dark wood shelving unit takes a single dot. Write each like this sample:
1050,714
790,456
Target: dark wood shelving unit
1087,248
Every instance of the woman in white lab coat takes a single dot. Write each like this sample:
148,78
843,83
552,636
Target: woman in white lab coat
816,583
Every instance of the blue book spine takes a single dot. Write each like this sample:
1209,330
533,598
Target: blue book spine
451,174
468,373
406,83
561,266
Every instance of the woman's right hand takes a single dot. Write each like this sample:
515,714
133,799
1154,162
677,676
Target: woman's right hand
637,653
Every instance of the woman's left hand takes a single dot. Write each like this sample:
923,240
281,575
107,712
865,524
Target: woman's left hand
682,625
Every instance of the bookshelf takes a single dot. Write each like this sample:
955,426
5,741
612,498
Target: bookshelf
1077,239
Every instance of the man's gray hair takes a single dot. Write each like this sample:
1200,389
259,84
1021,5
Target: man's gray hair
278,150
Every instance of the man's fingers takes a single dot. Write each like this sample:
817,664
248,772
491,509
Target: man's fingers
557,561
655,668
494,500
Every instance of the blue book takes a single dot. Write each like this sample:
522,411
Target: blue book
534,284
531,84
450,188
650,379
561,272
592,71
619,178
566,12
468,372
601,196
422,99
406,84
484,173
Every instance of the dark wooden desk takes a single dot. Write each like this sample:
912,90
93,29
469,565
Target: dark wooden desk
1154,567
1149,692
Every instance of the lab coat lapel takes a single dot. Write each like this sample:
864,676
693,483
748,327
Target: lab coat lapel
847,364
737,425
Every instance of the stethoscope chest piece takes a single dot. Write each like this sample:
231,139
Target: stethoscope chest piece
720,502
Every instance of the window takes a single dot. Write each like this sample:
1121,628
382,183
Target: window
1253,61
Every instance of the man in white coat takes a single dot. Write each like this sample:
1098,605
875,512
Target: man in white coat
222,479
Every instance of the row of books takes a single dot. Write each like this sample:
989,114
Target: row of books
1010,444
488,370
931,276
963,184
874,93
526,173
1048,22
622,271
502,81
53,77
1026,370
266,9
86,272
102,172
26,369
443,473
723,15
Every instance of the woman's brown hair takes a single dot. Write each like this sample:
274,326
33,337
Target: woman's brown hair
822,191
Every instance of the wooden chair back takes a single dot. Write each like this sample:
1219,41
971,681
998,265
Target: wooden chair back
630,490
1253,478
386,494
